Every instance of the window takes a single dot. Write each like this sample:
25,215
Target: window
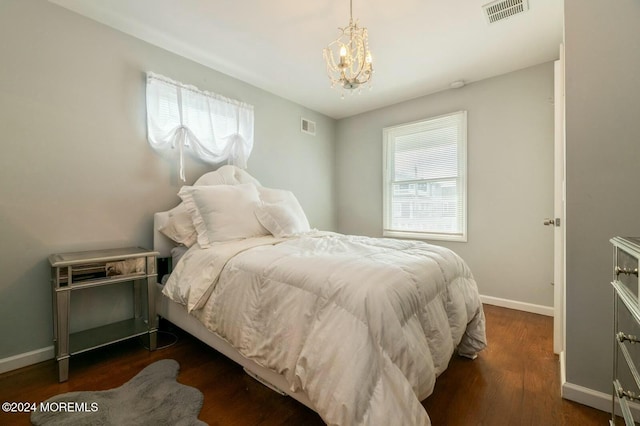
208,126
425,185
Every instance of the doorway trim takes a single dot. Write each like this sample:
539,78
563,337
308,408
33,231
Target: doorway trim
559,209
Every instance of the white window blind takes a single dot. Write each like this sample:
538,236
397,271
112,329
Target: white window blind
208,126
424,190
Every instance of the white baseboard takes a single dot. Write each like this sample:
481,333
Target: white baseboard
25,359
520,306
595,399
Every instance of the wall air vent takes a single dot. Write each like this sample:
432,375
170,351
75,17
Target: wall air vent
502,9
308,126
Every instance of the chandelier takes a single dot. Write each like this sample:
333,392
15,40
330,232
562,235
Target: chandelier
349,62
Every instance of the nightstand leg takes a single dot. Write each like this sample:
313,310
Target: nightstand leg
137,299
151,303
62,343
153,340
63,369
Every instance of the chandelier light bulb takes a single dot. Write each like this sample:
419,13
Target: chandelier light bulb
343,58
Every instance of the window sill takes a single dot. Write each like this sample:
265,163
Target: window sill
461,238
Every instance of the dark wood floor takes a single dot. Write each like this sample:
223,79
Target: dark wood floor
515,381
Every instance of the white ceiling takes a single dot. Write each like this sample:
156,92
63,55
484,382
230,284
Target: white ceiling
418,46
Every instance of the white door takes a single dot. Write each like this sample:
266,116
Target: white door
559,208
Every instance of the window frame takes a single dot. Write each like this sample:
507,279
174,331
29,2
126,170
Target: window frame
388,140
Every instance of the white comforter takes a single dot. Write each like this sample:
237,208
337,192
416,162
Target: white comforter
363,326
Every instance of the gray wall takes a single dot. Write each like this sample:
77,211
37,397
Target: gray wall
510,178
76,171
603,169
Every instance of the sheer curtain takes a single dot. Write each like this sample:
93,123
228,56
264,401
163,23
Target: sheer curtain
209,126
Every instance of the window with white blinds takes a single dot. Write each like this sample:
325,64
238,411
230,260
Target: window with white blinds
425,185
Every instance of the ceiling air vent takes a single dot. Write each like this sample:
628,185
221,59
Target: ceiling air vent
502,9
308,126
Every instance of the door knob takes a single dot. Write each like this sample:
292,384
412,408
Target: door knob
552,222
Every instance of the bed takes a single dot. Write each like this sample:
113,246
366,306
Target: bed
356,328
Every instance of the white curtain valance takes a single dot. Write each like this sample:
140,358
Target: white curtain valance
209,126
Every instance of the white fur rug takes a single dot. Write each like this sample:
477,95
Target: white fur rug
152,397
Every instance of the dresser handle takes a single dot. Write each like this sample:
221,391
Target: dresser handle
626,271
627,338
629,395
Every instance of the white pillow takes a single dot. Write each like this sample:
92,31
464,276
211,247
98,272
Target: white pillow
281,213
180,227
270,195
223,212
